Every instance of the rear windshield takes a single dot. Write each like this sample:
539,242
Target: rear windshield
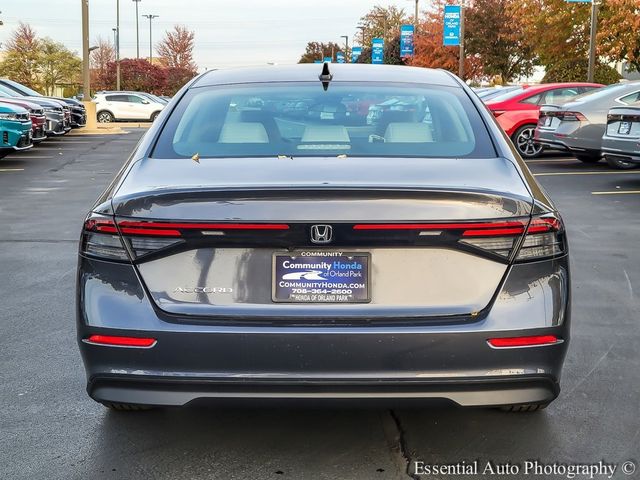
303,119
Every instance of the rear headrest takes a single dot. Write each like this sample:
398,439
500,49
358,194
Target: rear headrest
325,133
243,132
408,132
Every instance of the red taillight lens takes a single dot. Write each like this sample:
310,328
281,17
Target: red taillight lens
100,239
545,238
533,341
117,341
571,116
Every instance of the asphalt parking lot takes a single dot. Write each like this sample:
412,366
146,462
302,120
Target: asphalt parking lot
50,429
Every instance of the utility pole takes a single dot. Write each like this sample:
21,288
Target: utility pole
150,17
137,30
461,59
346,47
117,44
415,19
593,41
86,77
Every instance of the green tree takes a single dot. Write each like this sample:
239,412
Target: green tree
380,21
497,35
318,51
22,57
619,32
576,71
58,65
391,53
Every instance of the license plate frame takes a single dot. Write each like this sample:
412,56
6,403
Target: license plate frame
321,285
624,128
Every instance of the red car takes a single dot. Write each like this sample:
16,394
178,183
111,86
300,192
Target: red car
517,111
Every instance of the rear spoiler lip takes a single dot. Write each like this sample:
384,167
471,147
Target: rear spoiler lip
163,194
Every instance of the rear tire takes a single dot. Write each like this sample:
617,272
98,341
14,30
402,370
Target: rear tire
523,140
105,117
154,115
620,164
126,407
527,407
589,158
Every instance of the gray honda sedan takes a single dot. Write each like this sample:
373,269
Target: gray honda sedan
251,251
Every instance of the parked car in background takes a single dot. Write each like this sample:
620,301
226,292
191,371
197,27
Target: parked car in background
126,106
493,92
149,96
15,129
77,115
36,114
517,111
579,125
56,122
621,140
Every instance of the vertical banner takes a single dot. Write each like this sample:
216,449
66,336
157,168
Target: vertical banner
328,60
451,26
340,57
406,40
377,51
355,53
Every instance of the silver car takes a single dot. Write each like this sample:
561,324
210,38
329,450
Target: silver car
578,126
621,140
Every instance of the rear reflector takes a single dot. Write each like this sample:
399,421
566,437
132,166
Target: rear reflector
534,341
121,341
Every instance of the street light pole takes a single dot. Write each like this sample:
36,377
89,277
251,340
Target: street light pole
461,59
117,44
150,17
346,45
86,77
415,18
593,41
137,30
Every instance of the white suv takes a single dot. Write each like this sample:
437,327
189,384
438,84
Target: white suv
112,106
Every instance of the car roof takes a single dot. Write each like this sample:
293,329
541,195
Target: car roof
309,72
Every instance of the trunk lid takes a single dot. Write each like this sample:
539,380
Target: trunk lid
239,220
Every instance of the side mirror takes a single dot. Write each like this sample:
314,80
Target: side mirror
146,102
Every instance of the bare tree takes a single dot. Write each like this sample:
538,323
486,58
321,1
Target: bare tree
176,49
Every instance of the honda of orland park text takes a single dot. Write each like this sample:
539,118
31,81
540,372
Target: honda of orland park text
324,232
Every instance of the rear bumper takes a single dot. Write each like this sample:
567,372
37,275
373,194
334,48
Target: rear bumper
466,393
625,150
398,358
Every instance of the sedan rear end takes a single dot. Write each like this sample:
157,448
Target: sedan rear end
621,140
247,253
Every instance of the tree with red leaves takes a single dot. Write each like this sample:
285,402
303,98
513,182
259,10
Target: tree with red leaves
176,49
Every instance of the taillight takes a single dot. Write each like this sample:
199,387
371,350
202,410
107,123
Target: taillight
100,239
571,116
545,238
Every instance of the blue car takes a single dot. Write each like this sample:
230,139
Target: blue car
15,129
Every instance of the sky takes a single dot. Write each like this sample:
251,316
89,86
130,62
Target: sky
227,32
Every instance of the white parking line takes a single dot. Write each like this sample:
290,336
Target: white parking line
617,192
615,172
28,157
11,169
